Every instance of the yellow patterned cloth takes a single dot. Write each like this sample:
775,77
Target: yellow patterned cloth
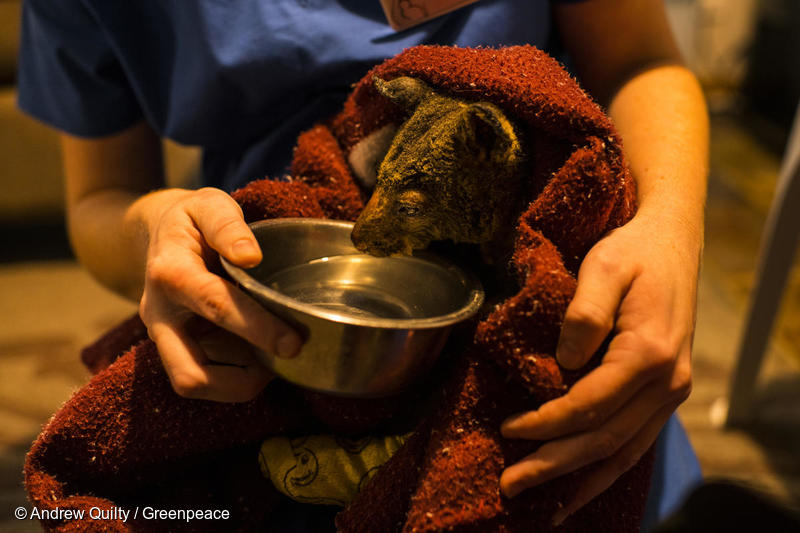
325,469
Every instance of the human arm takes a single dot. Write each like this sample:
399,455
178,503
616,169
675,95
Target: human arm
639,281
156,245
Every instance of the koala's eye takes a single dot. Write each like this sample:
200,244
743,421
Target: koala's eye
410,203
408,210
414,179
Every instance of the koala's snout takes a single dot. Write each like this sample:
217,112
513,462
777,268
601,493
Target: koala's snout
358,237
375,232
371,239
366,239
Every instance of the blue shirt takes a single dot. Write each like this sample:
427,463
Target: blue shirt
240,79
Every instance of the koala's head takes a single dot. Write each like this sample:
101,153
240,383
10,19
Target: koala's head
452,171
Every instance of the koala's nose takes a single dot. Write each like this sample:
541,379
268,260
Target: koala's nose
358,236
375,239
368,240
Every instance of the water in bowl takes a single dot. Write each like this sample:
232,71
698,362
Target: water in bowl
347,284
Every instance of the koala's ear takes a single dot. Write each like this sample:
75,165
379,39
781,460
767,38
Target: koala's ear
491,129
404,91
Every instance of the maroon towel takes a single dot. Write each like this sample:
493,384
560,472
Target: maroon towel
126,439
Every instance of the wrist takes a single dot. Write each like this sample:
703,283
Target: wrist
675,229
675,211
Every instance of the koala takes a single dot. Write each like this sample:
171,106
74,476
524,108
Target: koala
453,171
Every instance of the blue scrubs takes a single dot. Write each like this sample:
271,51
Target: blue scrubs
675,474
242,80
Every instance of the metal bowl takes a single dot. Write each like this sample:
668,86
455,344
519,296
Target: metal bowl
371,325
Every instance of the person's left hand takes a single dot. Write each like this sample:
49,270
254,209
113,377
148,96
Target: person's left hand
640,280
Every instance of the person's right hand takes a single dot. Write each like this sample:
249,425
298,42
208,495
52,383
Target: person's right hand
184,238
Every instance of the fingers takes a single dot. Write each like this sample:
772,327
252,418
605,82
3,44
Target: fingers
185,281
587,405
176,271
224,348
590,316
178,285
607,472
219,218
193,375
559,457
630,284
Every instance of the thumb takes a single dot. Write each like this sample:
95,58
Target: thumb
219,218
590,316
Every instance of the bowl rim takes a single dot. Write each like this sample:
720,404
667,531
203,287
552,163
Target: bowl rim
471,306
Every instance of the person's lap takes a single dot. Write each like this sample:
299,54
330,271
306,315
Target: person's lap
675,474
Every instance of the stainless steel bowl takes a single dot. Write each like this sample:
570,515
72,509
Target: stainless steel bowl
371,324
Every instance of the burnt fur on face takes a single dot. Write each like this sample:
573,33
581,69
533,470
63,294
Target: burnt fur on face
451,172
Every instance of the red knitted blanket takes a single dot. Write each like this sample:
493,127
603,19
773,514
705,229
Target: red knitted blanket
126,440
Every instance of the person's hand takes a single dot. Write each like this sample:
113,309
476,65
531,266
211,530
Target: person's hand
639,281
186,233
